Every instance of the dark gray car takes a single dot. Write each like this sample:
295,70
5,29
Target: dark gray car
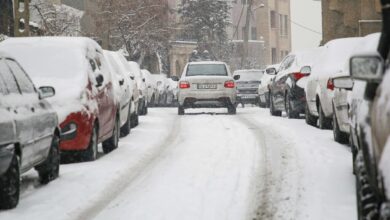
29,134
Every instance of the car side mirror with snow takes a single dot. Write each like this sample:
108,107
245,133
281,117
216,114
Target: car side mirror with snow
46,92
306,70
175,78
121,82
344,82
368,68
271,71
99,80
236,77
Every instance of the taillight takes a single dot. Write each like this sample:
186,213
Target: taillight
330,85
184,85
298,76
230,84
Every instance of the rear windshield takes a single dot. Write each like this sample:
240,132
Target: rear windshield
250,76
207,70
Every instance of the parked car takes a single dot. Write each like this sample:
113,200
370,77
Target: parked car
123,91
29,132
162,88
345,98
287,88
172,91
207,84
151,87
320,88
84,100
142,88
126,68
247,84
265,83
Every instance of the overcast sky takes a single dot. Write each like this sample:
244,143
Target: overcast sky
308,14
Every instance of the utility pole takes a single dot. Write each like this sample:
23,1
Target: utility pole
246,34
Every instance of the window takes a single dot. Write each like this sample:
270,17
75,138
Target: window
8,77
274,56
254,33
286,22
281,25
207,70
243,32
25,84
273,19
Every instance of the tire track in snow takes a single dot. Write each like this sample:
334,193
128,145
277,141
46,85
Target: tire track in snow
120,184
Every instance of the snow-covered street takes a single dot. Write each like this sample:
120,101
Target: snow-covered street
204,165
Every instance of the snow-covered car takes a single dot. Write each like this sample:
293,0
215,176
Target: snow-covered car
151,87
84,99
172,91
123,91
29,132
265,82
345,97
207,84
320,88
142,88
128,71
247,84
287,88
162,88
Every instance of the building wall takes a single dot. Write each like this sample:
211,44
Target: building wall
350,18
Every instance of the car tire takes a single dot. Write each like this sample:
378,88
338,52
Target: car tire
267,101
134,120
338,135
232,110
126,128
309,118
291,114
180,110
324,123
10,185
90,154
50,169
112,143
272,109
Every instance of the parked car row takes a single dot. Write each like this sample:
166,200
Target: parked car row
62,103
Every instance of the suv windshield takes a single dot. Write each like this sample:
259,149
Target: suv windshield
250,75
207,70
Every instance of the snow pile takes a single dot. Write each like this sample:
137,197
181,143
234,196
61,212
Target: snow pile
61,63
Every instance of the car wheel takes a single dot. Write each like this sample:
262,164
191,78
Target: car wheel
112,143
126,128
289,110
232,110
339,136
50,169
272,109
324,123
309,118
10,185
181,110
90,154
367,202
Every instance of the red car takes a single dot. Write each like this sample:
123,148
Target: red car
85,103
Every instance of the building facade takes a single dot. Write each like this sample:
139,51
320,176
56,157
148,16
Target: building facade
350,18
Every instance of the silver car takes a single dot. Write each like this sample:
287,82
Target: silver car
207,85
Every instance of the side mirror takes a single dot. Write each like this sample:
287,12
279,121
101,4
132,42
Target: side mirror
367,68
46,92
99,80
236,77
121,82
343,83
143,80
175,78
271,71
132,77
306,70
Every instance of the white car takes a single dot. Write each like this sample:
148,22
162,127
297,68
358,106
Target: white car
173,89
207,84
140,80
247,83
151,87
162,88
123,91
320,87
266,80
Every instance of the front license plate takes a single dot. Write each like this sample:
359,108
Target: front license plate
207,86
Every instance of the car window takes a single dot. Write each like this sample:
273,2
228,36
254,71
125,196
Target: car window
289,62
207,70
8,77
25,84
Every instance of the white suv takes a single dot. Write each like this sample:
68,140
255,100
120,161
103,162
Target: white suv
207,85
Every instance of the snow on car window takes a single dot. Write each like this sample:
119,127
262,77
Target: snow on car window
8,77
207,69
23,81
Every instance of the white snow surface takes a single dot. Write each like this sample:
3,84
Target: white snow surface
204,165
